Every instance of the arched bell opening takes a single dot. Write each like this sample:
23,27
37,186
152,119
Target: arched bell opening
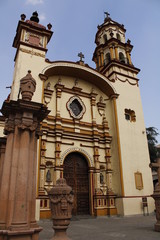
107,58
122,57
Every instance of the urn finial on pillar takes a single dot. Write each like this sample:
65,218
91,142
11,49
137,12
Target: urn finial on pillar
27,86
61,198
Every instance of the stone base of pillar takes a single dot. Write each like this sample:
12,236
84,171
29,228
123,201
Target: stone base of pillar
157,227
31,234
156,196
60,234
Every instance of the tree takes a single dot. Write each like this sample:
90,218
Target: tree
152,133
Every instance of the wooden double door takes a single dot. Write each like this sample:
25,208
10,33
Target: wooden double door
75,172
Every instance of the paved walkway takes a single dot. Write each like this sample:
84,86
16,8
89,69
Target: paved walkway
106,228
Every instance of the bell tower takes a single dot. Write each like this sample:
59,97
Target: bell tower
112,48
112,56
30,41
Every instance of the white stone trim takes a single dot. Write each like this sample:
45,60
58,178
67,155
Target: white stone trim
80,150
71,111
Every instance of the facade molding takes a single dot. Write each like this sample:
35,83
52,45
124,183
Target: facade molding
80,150
87,73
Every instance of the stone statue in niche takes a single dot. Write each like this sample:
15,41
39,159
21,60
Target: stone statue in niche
59,81
48,176
92,90
101,178
76,82
101,99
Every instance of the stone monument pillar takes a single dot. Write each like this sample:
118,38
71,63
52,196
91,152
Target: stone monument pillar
18,180
61,199
156,195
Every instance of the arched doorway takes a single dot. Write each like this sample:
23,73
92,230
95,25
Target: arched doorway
75,172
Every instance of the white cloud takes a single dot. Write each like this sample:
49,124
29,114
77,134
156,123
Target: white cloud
42,17
35,2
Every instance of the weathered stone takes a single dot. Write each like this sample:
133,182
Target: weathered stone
18,180
156,194
61,199
27,87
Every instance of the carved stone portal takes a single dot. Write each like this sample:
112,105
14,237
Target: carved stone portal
61,199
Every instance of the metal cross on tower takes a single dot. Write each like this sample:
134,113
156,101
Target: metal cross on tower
106,14
81,55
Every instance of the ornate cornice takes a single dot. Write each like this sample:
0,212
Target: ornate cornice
124,80
32,52
82,72
25,115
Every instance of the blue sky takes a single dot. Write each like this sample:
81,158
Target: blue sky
75,24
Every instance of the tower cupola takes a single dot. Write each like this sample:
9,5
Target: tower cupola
111,45
32,35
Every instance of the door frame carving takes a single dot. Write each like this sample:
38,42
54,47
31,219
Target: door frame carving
81,151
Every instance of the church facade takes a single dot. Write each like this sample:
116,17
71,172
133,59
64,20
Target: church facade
94,135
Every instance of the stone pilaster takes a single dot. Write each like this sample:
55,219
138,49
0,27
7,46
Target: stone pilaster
111,52
58,129
2,154
95,140
116,52
102,58
128,57
99,59
59,88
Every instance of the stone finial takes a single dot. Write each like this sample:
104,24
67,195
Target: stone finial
129,41
27,87
34,17
49,26
23,17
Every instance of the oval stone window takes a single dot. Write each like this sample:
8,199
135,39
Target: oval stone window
76,107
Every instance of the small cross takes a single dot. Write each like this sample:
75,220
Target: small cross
107,14
157,166
81,55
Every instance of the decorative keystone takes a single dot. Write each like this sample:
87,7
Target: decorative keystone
27,87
